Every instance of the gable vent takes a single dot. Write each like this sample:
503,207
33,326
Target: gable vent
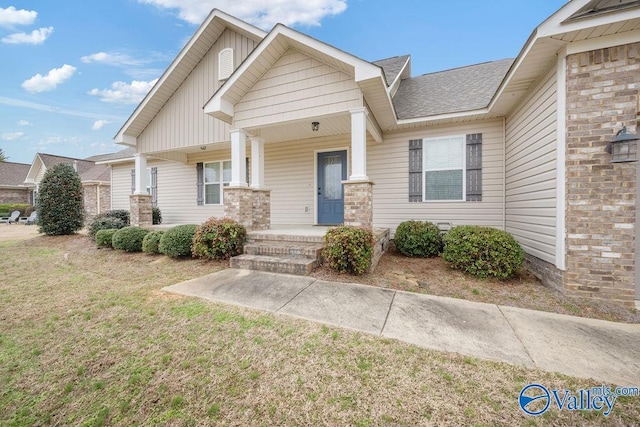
225,63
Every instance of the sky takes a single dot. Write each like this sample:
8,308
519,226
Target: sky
72,71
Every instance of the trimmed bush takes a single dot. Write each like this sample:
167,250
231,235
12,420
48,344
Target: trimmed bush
483,251
104,237
104,223
60,201
349,249
25,209
176,242
121,214
157,215
151,242
418,239
129,239
218,238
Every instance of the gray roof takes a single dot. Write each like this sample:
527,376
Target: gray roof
87,169
451,91
597,7
13,174
122,154
392,66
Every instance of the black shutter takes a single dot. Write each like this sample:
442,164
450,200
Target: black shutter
154,186
133,181
415,170
474,167
200,175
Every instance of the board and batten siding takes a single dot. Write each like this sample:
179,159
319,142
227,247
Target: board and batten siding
387,167
121,185
296,87
182,122
531,170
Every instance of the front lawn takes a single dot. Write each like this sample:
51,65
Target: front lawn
88,339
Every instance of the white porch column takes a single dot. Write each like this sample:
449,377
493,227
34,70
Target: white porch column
257,163
141,173
358,145
238,158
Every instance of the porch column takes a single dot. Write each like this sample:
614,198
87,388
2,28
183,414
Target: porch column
238,158
257,163
358,145
140,203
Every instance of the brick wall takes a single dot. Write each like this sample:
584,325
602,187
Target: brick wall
14,195
141,210
358,204
602,96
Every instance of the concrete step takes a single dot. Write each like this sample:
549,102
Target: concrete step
257,236
284,249
275,264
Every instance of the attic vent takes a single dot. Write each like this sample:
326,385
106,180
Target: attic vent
225,63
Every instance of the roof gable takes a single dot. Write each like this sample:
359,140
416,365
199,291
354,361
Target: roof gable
13,174
87,169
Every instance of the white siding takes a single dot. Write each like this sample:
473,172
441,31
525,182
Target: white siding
121,185
388,168
182,122
531,170
296,87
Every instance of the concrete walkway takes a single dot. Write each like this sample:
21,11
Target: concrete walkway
608,352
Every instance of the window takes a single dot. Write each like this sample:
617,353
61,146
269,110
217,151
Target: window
216,176
148,181
444,168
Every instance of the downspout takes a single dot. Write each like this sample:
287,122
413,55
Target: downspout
504,173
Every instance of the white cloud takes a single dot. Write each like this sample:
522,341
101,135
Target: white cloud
99,124
134,66
35,37
113,58
263,14
124,93
24,123
39,83
13,102
11,136
11,16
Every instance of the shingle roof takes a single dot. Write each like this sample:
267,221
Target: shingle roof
597,7
122,154
451,91
392,66
13,174
86,168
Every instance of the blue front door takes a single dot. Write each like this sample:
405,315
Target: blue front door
332,170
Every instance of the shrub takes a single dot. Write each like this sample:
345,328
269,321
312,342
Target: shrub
483,251
8,208
418,239
218,238
60,201
157,215
176,242
121,214
104,237
349,249
104,223
151,242
129,239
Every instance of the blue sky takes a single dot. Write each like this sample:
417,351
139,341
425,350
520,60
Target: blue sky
73,70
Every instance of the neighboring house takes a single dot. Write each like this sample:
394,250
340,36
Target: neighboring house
279,128
96,180
12,188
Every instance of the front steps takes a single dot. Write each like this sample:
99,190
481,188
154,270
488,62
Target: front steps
280,253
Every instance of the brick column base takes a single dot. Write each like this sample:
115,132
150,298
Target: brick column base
248,206
141,210
358,203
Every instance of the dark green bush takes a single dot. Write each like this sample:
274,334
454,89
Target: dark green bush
151,242
418,239
104,223
104,237
121,214
25,209
483,251
60,201
129,239
176,242
348,249
218,238
157,215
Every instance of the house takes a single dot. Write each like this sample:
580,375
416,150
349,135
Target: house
96,180
279,128
12,188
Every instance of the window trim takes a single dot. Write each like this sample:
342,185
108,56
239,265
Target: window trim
463,167
222,183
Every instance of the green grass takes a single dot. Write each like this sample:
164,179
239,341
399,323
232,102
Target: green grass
89,340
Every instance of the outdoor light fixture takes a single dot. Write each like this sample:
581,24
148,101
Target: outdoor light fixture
204,147
624,147
315,126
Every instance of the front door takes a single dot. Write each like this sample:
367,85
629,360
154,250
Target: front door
332,170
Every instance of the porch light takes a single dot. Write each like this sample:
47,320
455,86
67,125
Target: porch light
624,147
315,126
